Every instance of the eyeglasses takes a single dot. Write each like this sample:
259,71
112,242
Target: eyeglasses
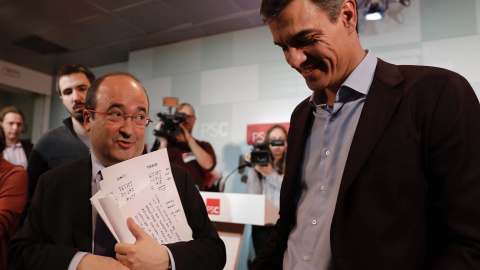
119,117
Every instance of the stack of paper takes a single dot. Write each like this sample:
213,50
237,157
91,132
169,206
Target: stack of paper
142,188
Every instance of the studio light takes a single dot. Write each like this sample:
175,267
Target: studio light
375,9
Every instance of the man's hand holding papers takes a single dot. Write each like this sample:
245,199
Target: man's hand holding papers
142,188
145,253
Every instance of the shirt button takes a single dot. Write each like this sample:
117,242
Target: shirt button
314,222
305,258
332,118
327,152
322,188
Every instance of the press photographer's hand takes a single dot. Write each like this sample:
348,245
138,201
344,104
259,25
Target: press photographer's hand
248,157
163,141
264,170
188,137
158,127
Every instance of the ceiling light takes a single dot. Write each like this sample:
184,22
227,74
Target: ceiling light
375,10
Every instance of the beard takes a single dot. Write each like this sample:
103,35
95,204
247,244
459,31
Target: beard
78,116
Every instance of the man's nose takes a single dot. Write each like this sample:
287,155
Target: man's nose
127,127
77,96
295,57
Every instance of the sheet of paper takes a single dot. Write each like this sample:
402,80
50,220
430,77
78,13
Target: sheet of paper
158,216
146,181
117,220
98,206
125,179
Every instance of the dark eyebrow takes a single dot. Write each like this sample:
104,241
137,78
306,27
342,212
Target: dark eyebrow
77,86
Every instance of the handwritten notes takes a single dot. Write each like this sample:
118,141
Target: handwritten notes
143,188
159,217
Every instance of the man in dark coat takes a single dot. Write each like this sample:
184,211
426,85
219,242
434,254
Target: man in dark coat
58,232
383,164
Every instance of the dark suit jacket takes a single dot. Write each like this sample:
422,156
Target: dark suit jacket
59,223
27,147
410,192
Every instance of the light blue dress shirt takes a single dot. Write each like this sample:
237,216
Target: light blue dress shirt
323,164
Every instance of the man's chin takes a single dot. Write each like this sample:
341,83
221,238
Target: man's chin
315,85
120,157
13,138
78,117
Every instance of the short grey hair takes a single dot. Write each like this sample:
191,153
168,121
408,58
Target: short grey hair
270,9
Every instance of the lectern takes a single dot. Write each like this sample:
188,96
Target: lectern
231,211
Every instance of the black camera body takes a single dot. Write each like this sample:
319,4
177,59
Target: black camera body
261,153
170,127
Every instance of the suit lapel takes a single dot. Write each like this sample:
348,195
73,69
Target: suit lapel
382,100
297,136
82,213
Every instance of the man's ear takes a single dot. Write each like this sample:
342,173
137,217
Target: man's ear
87,117
348,14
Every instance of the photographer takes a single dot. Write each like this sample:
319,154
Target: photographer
268,179
196,156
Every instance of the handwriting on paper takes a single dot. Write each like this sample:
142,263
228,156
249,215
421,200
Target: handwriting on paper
155,216
143,188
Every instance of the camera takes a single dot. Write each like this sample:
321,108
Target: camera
170,127
261,153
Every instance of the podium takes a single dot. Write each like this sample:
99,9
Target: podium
231,211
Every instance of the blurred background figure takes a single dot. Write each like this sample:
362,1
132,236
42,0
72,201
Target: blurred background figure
13,196
185,151
16,151
267,180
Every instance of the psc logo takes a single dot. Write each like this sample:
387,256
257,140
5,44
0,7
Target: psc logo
213,206
215,129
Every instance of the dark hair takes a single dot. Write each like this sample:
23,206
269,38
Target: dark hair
11,109
270,9
91,99
281,162
3,143
71,69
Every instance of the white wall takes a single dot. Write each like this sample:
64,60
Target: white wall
25,79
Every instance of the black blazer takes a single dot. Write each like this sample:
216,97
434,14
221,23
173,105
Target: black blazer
59,223
27,147
409,196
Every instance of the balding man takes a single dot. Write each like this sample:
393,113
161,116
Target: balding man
60,231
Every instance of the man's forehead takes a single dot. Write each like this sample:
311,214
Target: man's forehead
72,80
119,80
12,116
119,90
186,108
